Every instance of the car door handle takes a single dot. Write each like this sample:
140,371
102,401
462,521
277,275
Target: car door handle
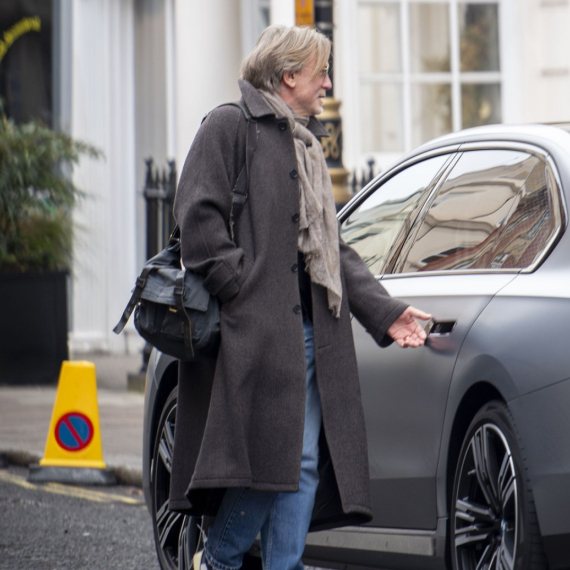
439,328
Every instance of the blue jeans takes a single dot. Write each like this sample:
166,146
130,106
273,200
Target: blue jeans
281,519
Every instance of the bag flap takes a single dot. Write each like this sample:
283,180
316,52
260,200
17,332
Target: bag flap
159,288
168,257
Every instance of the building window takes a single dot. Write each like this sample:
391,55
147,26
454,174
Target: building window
427,67
26,67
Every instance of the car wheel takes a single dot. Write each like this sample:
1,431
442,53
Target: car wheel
176,536
494,523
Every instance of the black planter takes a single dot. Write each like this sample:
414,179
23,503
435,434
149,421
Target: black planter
33,327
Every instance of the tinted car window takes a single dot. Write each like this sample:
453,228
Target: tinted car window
374,226
480,199
532,225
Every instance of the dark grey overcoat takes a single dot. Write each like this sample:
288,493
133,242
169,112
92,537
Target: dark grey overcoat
240,419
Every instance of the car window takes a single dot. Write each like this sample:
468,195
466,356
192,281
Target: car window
466,225
531,226
373,227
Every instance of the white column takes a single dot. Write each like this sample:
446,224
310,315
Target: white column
346,78
283,12
170,65
207,58
511,45
546,57
103,114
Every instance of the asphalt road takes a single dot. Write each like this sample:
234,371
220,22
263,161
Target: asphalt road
55,527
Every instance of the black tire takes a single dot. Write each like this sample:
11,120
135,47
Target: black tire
493,518
176,536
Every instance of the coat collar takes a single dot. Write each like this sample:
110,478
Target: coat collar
258,107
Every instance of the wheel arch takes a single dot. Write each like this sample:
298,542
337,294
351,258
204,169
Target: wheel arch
478,378
473,400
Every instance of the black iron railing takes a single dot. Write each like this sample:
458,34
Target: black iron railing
361,177
159,190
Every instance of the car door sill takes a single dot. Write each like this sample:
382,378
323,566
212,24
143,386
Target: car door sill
414,542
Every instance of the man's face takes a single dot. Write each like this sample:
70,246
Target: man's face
307,89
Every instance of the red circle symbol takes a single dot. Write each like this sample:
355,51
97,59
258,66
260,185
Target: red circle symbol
74,431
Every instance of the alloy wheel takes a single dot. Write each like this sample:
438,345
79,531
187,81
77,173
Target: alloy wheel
176,535
486,521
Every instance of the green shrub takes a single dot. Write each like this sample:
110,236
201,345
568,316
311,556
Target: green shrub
37,196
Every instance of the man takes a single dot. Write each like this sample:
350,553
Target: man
271,438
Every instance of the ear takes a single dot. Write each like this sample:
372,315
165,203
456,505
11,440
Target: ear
289,79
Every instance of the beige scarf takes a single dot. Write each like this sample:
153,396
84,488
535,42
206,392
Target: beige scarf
318,226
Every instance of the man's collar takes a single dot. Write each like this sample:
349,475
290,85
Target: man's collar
256,103
259,107
317,128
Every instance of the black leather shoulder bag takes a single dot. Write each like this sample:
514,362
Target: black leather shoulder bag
173,310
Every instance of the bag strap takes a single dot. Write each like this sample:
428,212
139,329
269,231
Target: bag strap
134,300
140,284
179,296
241,189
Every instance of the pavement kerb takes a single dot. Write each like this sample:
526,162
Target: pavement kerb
123,475
127,476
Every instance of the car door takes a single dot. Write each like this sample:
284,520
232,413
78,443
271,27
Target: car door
444,265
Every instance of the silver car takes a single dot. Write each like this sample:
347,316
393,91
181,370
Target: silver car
468,436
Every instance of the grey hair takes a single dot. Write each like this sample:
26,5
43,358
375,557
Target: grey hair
283,49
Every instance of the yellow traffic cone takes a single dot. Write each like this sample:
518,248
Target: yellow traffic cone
73,452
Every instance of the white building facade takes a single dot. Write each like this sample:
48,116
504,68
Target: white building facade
137,76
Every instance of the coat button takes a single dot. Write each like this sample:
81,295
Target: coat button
294,268
282,126
297,309
293,173
295,218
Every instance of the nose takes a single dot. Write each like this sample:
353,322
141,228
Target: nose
327,83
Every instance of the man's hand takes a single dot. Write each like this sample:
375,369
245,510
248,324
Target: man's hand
406,331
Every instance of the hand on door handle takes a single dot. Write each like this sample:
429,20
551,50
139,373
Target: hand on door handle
439,328
406,331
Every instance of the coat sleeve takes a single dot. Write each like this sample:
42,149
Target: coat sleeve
369,302
203,202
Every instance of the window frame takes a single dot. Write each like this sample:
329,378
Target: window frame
384,177
558,211
406,80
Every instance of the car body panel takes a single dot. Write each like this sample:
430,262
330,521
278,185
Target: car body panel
545,432
529,363
405,395
543,420
365,547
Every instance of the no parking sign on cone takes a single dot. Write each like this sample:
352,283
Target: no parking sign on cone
73,452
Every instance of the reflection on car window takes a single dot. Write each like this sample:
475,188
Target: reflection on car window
531,226
374,226
491,199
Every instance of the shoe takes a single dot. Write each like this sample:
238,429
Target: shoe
199,561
